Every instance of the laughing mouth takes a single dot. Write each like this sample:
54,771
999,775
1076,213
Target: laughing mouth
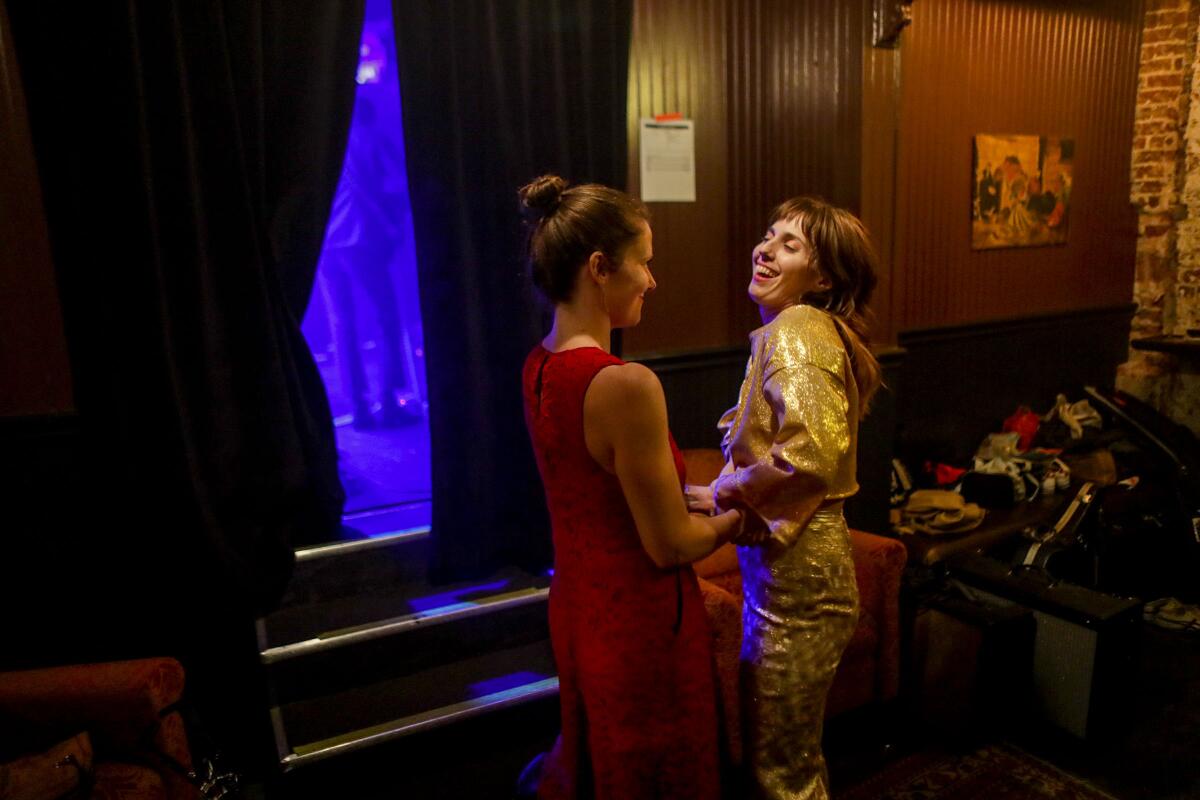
761,271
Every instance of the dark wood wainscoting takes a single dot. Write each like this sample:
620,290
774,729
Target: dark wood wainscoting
700,386
868,510
959,383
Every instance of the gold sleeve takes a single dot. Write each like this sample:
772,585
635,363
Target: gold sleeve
787,484
725,425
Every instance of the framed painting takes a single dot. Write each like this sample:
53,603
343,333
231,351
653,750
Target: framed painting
1020,191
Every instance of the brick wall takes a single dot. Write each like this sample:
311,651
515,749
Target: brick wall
1165,189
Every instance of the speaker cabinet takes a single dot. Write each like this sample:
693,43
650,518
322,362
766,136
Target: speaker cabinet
1085,647
971,664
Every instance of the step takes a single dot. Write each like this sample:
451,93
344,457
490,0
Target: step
429,764
374,522
424,619
386,554
406,644
320,728
327,618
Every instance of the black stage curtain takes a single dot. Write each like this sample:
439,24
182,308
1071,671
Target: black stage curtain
189,151
495,94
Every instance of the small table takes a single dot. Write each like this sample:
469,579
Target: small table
999,524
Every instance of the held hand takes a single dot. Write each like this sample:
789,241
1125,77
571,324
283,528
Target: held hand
753,531
699,499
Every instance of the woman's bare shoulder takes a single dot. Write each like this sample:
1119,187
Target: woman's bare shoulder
626,383
627,402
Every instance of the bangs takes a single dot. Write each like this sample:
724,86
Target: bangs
807,212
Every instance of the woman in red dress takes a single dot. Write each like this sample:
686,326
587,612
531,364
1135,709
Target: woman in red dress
631,641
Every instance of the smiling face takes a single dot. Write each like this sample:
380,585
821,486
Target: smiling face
785,270
626,286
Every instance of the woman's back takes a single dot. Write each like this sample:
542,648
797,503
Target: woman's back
630,639
588,512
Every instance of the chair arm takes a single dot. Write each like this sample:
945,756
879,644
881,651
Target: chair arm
879,564
118,702
725,624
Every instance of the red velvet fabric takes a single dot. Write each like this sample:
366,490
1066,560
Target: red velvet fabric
725,624
631,640
870,667
118,703
116,781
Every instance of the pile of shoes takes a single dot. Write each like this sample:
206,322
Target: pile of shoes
1070,426
1056,477
1076,416
936,512
1172,614
1003,474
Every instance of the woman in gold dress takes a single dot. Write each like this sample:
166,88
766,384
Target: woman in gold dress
790,459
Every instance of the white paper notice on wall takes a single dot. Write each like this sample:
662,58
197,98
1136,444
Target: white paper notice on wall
668,160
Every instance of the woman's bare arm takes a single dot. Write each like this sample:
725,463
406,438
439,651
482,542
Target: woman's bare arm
625,426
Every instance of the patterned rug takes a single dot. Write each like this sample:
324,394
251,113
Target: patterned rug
994,772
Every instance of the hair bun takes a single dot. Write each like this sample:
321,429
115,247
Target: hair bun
541,196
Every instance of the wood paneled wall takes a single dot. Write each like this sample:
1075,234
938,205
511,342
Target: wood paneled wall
789,99
881,121
677,63
1031,67
33,348
775,90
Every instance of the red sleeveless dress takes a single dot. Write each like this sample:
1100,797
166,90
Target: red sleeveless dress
631,640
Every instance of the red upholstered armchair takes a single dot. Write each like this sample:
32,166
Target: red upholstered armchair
120,706
870,668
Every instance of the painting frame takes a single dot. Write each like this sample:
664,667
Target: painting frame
1021,190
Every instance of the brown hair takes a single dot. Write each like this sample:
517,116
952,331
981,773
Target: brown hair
842,251
566,225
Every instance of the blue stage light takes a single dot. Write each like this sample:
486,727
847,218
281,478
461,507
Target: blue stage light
364,322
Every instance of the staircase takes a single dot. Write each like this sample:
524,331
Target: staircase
374,672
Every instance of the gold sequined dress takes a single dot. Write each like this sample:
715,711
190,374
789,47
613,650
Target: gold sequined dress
790,458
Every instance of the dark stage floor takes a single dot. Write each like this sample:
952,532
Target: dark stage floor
383,464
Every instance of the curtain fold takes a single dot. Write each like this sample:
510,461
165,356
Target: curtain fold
493,95
188,153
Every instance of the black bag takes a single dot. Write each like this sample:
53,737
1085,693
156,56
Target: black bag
1000,482
990,490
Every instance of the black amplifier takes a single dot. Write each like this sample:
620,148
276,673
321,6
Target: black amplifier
971,664
1085,647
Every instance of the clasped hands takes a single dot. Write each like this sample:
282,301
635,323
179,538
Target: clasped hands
751,531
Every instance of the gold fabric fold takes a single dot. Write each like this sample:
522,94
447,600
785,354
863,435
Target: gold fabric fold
800,607
790,441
